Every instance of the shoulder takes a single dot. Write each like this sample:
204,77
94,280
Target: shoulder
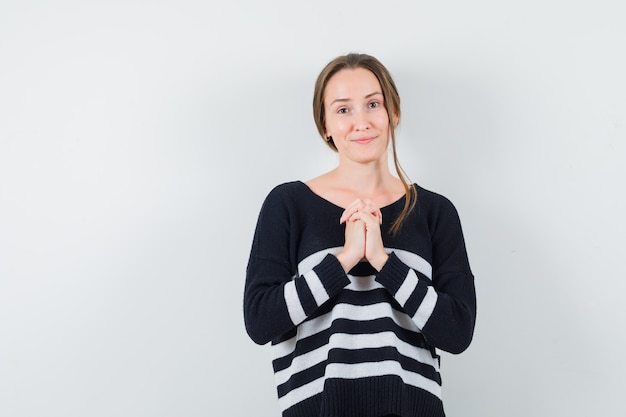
278,208
286,197
434,205
285,191
431,198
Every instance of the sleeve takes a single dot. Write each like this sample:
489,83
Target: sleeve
444,308
275,299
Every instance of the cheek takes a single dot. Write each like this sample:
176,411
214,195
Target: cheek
337,127
382,120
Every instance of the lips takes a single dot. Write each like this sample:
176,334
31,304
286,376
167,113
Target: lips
363,141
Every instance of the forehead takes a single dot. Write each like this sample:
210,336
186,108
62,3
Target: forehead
351,84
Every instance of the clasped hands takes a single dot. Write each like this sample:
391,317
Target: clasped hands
363,236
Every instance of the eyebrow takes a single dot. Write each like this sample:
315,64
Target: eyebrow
343,100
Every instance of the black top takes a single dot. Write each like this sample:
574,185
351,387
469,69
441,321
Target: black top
363,343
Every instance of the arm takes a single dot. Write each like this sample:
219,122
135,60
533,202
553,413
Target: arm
276,301
444,308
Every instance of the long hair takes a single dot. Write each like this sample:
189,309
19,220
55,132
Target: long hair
392,105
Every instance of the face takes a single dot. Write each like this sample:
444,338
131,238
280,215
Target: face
356,116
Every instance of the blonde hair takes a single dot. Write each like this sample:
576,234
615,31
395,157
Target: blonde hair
392,105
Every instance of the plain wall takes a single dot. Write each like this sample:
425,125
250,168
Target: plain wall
138,140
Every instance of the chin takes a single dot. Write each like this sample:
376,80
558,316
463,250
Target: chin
368,159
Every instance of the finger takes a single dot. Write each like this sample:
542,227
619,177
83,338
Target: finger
372,208
346,215
350,210
375,211
370,219
356,216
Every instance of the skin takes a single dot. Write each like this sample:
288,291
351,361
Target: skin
358,123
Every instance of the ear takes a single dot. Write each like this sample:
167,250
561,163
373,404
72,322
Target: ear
396,119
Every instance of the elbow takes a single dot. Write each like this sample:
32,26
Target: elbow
459,344
456,343
254,325
255,332
265,312
456,335
464,335
261,320
260,324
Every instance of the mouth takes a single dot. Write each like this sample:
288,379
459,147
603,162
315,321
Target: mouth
363,141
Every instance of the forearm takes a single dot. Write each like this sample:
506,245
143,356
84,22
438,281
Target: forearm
445,315
275,303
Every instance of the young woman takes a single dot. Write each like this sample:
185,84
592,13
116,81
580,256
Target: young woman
357,277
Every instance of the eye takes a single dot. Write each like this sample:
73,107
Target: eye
374,104
342,110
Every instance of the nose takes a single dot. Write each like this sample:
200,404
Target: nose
361,120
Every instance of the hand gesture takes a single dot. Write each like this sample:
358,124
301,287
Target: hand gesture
363,236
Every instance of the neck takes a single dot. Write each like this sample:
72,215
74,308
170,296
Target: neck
365,180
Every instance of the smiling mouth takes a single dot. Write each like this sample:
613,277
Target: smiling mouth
363,141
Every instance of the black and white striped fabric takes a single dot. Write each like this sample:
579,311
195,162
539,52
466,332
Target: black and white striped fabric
363,343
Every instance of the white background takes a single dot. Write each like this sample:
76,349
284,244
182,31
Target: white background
139,138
